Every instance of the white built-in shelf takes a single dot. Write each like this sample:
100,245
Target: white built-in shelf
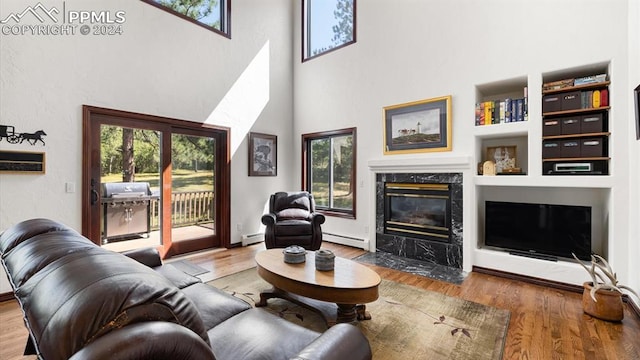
520,128
569,181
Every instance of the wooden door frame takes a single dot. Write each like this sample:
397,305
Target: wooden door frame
91,116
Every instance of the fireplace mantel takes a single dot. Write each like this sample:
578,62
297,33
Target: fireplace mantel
423,164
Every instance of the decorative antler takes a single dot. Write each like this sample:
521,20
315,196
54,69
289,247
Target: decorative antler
608,278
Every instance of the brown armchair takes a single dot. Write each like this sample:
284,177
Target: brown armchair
293,220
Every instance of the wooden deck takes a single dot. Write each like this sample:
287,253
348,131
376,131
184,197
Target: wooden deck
178,234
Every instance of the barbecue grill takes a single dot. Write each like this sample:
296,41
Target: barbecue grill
126,210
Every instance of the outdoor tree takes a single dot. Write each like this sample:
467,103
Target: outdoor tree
192,152
343,31
129,151
195,9
110,149
128,161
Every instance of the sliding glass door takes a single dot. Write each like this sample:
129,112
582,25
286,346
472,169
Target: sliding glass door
152,181
193,189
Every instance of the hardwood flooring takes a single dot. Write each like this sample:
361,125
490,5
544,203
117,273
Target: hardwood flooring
545,323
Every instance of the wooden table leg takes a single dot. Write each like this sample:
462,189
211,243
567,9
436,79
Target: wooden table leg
330,312
362,312
269,294
346,313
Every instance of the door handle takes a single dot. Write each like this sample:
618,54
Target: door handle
94,194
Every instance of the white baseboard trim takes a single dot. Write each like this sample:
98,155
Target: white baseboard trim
346,240
248,239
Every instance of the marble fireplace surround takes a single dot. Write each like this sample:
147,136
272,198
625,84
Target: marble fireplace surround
447,170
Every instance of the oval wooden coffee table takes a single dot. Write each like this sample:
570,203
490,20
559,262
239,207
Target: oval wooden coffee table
339,295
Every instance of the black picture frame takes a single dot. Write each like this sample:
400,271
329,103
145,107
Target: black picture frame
22,162
636,98
419,126
263,154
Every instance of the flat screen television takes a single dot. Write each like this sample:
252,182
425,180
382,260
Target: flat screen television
539,230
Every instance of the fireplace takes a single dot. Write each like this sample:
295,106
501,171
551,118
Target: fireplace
418,210
419,216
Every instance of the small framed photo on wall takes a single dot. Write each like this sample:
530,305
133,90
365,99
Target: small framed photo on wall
263,154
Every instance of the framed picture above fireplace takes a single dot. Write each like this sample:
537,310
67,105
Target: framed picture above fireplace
419,126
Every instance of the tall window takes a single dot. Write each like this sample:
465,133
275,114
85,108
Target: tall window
329,170
213,15
327,25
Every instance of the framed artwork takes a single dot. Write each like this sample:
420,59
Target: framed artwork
504,158
419,126
263,154
636,98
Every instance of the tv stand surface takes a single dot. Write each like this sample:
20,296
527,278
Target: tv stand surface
533,255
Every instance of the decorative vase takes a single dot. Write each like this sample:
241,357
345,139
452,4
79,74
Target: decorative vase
294,254
325,260
608,307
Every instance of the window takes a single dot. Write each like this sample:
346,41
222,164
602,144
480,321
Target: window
214,15
327,25
329,170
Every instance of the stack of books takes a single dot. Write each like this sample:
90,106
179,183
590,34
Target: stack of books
557,85
502,111
567,83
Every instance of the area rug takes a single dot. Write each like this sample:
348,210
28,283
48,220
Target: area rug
407,322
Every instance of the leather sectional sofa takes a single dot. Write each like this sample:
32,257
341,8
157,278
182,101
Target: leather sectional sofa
81,301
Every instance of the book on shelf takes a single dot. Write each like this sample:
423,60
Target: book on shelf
594,99
525,116
604,97
557,85
519,109
593,79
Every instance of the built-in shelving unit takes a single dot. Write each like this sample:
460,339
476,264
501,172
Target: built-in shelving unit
534,185
575,127
501,132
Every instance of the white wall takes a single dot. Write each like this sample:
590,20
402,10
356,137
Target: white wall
414,50
160,65
631,277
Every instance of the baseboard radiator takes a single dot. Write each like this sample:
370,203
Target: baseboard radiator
248,239
346,240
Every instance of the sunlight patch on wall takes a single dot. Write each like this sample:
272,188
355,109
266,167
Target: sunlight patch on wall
243,103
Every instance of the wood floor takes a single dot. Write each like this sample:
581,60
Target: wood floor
545,323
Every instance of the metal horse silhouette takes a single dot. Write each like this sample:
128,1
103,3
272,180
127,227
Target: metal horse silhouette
9,132
33,138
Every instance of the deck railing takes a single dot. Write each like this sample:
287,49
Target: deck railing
187,208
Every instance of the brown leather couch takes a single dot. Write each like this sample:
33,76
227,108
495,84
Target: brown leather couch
81,301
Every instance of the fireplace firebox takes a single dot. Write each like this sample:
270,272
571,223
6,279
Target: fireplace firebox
418,210
417,221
